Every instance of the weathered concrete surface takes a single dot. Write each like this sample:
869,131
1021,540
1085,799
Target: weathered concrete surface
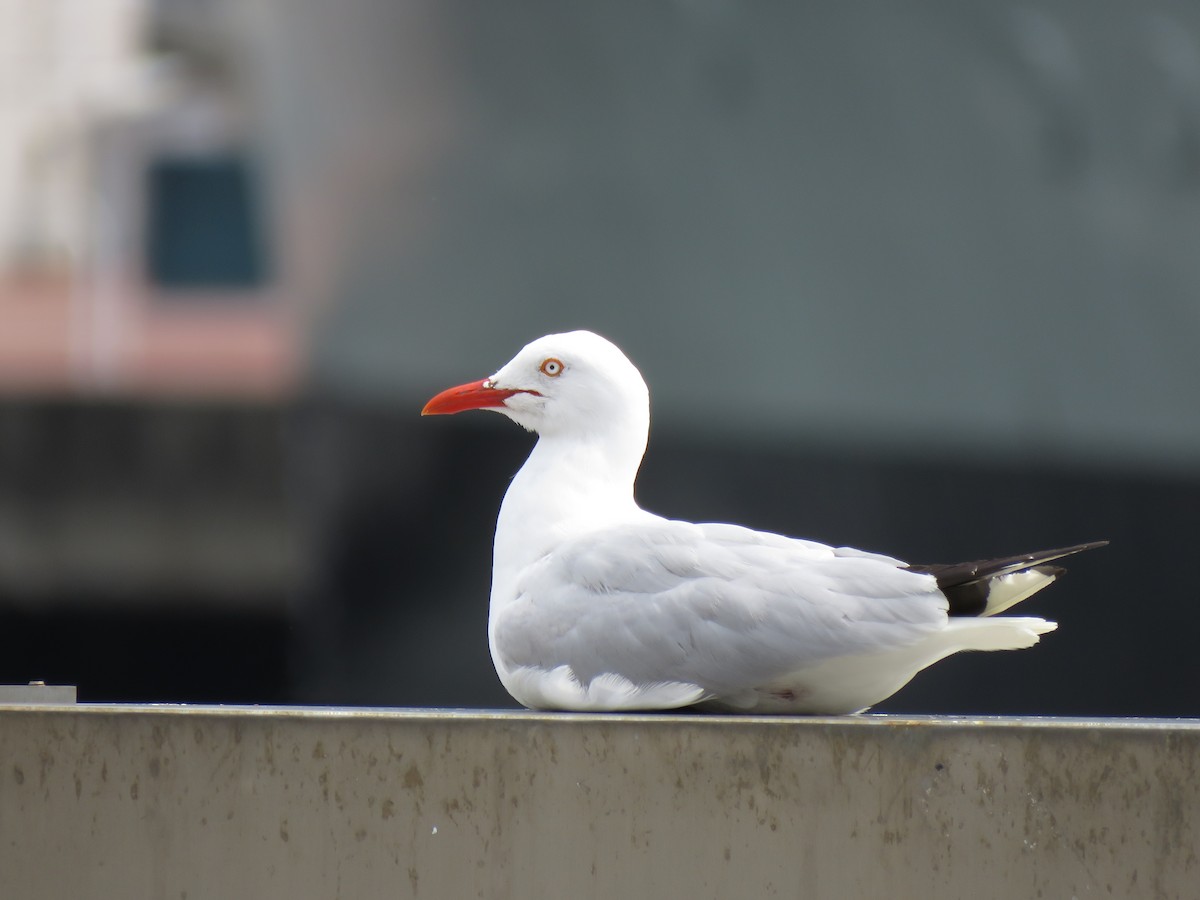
192,803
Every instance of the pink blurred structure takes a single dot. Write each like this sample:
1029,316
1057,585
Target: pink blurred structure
56,336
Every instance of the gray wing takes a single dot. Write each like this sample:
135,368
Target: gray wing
718,606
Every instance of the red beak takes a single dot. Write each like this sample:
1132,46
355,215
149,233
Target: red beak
476,395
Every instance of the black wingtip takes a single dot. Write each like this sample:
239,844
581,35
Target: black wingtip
960,573
1079,548
967,585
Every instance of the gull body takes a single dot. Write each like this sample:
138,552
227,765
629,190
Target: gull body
597,604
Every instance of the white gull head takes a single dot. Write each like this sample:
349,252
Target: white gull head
573,384
582,396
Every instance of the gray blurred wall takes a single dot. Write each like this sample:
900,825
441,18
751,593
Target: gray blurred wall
963,226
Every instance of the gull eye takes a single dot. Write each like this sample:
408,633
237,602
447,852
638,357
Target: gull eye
552,367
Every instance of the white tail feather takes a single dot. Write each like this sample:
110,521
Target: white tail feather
1004,633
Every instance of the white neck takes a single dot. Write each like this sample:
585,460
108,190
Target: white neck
567,487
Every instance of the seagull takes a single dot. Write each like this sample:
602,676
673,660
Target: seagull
599,605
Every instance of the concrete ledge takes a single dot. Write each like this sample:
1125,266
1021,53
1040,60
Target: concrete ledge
201,802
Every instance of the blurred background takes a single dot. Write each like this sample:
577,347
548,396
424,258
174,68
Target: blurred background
924,280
